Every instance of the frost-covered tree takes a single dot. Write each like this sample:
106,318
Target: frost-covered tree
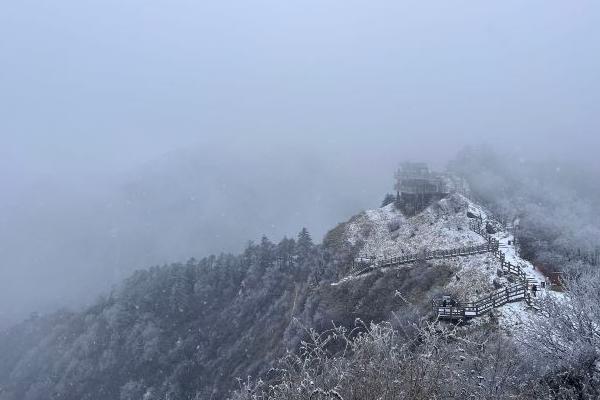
557,204
429,362
132,390
565,337
304,244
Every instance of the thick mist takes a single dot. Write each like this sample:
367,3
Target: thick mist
135,133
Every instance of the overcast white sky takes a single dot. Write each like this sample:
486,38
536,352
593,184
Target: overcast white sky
91,90
87,85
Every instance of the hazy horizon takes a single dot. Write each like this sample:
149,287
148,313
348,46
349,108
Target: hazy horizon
304,109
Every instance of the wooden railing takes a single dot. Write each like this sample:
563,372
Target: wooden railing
506,266
517,292
483,305
491,246
453,310
477,227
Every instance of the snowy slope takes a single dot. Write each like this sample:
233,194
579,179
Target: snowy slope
385,232
443,225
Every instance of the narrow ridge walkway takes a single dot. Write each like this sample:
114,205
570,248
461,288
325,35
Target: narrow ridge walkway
517,292
490,246
520,291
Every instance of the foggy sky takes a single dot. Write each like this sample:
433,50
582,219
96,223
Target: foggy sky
95,94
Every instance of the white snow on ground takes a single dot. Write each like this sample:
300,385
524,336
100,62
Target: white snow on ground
510,254
445,225
474,274
513,316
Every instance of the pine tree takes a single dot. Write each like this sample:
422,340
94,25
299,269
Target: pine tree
181,289
285,253
304,244
266,253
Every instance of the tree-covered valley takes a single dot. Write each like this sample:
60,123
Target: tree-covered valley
259,324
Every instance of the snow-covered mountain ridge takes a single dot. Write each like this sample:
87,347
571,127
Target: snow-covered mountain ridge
385,232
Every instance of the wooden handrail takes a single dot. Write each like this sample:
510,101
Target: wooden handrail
430,255
483,305
519,291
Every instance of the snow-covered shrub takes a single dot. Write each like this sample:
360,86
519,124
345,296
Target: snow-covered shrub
431,361
394,225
